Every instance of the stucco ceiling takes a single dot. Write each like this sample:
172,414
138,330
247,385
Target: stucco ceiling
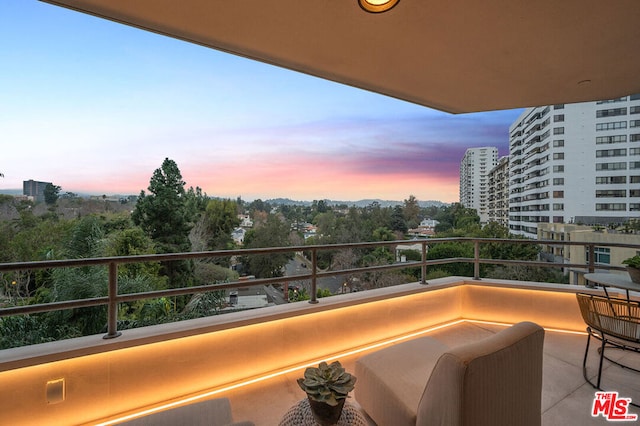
453,55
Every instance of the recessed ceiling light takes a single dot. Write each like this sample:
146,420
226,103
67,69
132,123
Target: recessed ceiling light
377,6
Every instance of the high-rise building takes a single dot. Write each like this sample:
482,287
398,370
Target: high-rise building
474,179
498,207
35,189
575,163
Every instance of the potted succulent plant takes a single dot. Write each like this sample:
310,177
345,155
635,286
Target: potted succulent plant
327,387
633,268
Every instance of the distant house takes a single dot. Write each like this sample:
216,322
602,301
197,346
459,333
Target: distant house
245,221
238,235
426,229
309,231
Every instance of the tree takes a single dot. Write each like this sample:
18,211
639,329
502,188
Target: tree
50,193
165,216
274,233
220,219
398,222
411,210
449,250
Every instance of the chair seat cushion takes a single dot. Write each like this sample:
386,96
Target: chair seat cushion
391,380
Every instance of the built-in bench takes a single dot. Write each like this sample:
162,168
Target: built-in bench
496,381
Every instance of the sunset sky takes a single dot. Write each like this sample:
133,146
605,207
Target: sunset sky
95,107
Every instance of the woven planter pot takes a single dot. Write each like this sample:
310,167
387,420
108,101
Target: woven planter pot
325,414
634,274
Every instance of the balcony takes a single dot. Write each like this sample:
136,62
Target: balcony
253,357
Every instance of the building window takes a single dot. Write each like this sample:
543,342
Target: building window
635,137
613,112
558,106
558,130
634,110
558,181
558,206
611,139
558,143
634,97
558,155
622,152
602,255
611,166
634,193
634,179
558,194
611,193
611,206
558,169
612,125
606,180
634,123
558,118
634,164
610,101
634,207
634,151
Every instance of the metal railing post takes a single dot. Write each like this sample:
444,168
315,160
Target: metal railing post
476,260
314,284
423,273
592,258
112,310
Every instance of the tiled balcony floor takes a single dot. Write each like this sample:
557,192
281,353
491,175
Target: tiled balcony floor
566,398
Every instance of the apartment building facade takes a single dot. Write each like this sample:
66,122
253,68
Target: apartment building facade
474,179
498,207
604,254
35,189
575,163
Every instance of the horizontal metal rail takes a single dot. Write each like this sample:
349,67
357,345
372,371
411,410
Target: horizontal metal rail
113,298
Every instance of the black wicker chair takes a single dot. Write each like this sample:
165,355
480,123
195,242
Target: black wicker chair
615,322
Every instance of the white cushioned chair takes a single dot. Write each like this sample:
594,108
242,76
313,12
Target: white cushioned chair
496,381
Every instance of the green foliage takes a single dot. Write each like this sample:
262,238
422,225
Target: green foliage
411,212
323,292
297,295
398,222
274,233
50,193
327,383
23,330
205,304
528,273
452,250
383,234
164,214
209,273
633,262
456,216
86,238
220,218
167,218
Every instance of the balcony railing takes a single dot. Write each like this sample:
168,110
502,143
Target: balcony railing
113,298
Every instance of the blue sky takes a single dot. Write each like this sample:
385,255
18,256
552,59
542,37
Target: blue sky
95,107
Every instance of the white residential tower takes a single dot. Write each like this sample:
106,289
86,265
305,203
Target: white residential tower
575,163
474,179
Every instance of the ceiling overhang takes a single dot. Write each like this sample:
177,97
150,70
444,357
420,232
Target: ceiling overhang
455,55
